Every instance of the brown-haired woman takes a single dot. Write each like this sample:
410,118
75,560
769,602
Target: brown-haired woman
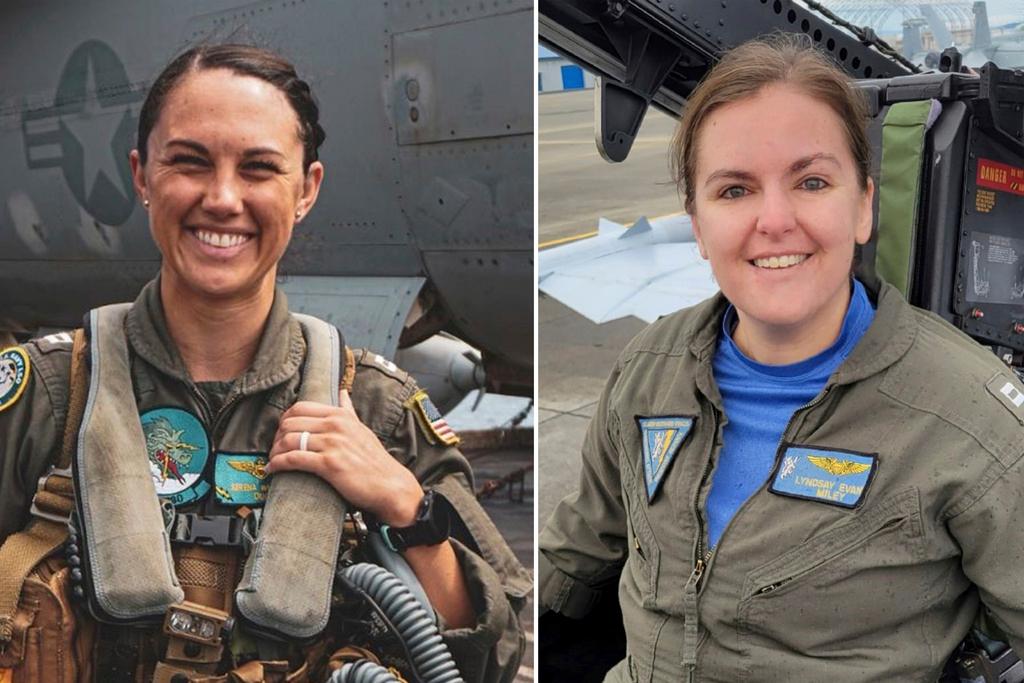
803,478
215,377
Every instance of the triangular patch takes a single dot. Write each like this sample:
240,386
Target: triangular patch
660,438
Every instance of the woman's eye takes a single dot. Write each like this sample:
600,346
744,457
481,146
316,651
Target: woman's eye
814,184
262,166
733,192
188,160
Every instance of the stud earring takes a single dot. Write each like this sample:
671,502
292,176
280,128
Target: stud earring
145,203
298,214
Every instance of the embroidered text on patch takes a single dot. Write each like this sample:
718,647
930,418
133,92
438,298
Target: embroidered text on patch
824,475
241,478
14,369
430,420
660,439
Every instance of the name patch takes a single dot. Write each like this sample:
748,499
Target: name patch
14,367
1006,392
241,478
660,438
825,475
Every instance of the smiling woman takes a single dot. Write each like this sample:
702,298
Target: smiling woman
210,406
788,480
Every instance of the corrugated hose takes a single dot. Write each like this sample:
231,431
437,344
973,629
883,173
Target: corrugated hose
430,656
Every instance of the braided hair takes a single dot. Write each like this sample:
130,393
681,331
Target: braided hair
244,60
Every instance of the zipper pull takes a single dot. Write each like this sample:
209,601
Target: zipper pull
639,550
772,587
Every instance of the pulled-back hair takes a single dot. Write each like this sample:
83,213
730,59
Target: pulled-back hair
244,60
780,58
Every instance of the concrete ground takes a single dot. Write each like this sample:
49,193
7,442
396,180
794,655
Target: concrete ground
576,187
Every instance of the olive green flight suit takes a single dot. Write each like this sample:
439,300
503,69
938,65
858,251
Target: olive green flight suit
804,590
31,430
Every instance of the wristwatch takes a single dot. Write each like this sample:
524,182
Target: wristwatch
433,525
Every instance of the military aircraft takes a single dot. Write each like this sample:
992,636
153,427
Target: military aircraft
952,245
425,224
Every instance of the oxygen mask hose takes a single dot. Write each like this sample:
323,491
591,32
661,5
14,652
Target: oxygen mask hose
430,657
363,671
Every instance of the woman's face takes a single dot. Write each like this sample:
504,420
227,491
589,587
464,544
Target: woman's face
224,182
777,210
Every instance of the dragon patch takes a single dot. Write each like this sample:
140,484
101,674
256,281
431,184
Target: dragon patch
824,475
178,449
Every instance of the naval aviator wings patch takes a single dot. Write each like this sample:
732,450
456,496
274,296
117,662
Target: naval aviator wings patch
825,475
660,439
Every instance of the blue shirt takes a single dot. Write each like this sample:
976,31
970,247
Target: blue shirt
759,401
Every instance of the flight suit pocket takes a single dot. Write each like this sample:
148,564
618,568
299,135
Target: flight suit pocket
644,553
861,577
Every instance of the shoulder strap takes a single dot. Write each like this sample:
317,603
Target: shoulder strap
47,529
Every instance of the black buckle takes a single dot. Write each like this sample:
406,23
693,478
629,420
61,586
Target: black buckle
188,527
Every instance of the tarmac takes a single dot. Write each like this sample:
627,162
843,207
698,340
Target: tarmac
576,188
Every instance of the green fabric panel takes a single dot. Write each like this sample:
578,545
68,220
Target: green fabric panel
903,134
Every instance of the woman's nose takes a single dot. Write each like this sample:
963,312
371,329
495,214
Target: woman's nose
777,214
223,196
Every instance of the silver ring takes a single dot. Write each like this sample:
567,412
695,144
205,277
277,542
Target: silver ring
304,441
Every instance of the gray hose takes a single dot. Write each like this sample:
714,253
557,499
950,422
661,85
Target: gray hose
363,671
430,656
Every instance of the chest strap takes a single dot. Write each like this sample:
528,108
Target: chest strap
129,565
288,578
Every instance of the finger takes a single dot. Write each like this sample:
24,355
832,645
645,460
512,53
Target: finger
302,461
344,400
292,441
303,423
309,409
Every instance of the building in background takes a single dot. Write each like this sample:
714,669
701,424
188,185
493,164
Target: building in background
555,72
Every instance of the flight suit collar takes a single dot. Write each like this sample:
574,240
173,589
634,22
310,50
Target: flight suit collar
888,339
275,360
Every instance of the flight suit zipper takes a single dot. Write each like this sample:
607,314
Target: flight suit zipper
704,559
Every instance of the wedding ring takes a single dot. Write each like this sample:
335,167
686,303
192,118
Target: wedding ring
304,441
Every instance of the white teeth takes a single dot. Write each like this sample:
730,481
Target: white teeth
219,239
776,262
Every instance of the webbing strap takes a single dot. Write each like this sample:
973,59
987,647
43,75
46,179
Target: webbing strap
47,529
903,133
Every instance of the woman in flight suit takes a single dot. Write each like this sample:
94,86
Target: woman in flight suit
803,478
226,166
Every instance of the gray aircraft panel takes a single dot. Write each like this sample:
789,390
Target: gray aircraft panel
370,310
73,84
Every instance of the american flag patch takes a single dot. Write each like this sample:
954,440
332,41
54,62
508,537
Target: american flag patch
433,424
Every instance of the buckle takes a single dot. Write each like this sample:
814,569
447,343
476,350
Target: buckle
41,486
189,527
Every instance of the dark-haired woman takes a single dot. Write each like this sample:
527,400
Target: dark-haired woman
803,478
226,166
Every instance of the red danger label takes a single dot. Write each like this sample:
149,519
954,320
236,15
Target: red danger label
997,176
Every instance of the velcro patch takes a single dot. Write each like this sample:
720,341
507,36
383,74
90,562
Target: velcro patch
660,439
178,449
825,475
431,422
14,371
241,478
1007,392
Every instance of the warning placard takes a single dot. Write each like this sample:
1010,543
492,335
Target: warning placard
999,176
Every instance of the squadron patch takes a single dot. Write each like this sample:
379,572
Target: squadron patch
431,422
14,369
178,448
241,478
824,475
660,439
